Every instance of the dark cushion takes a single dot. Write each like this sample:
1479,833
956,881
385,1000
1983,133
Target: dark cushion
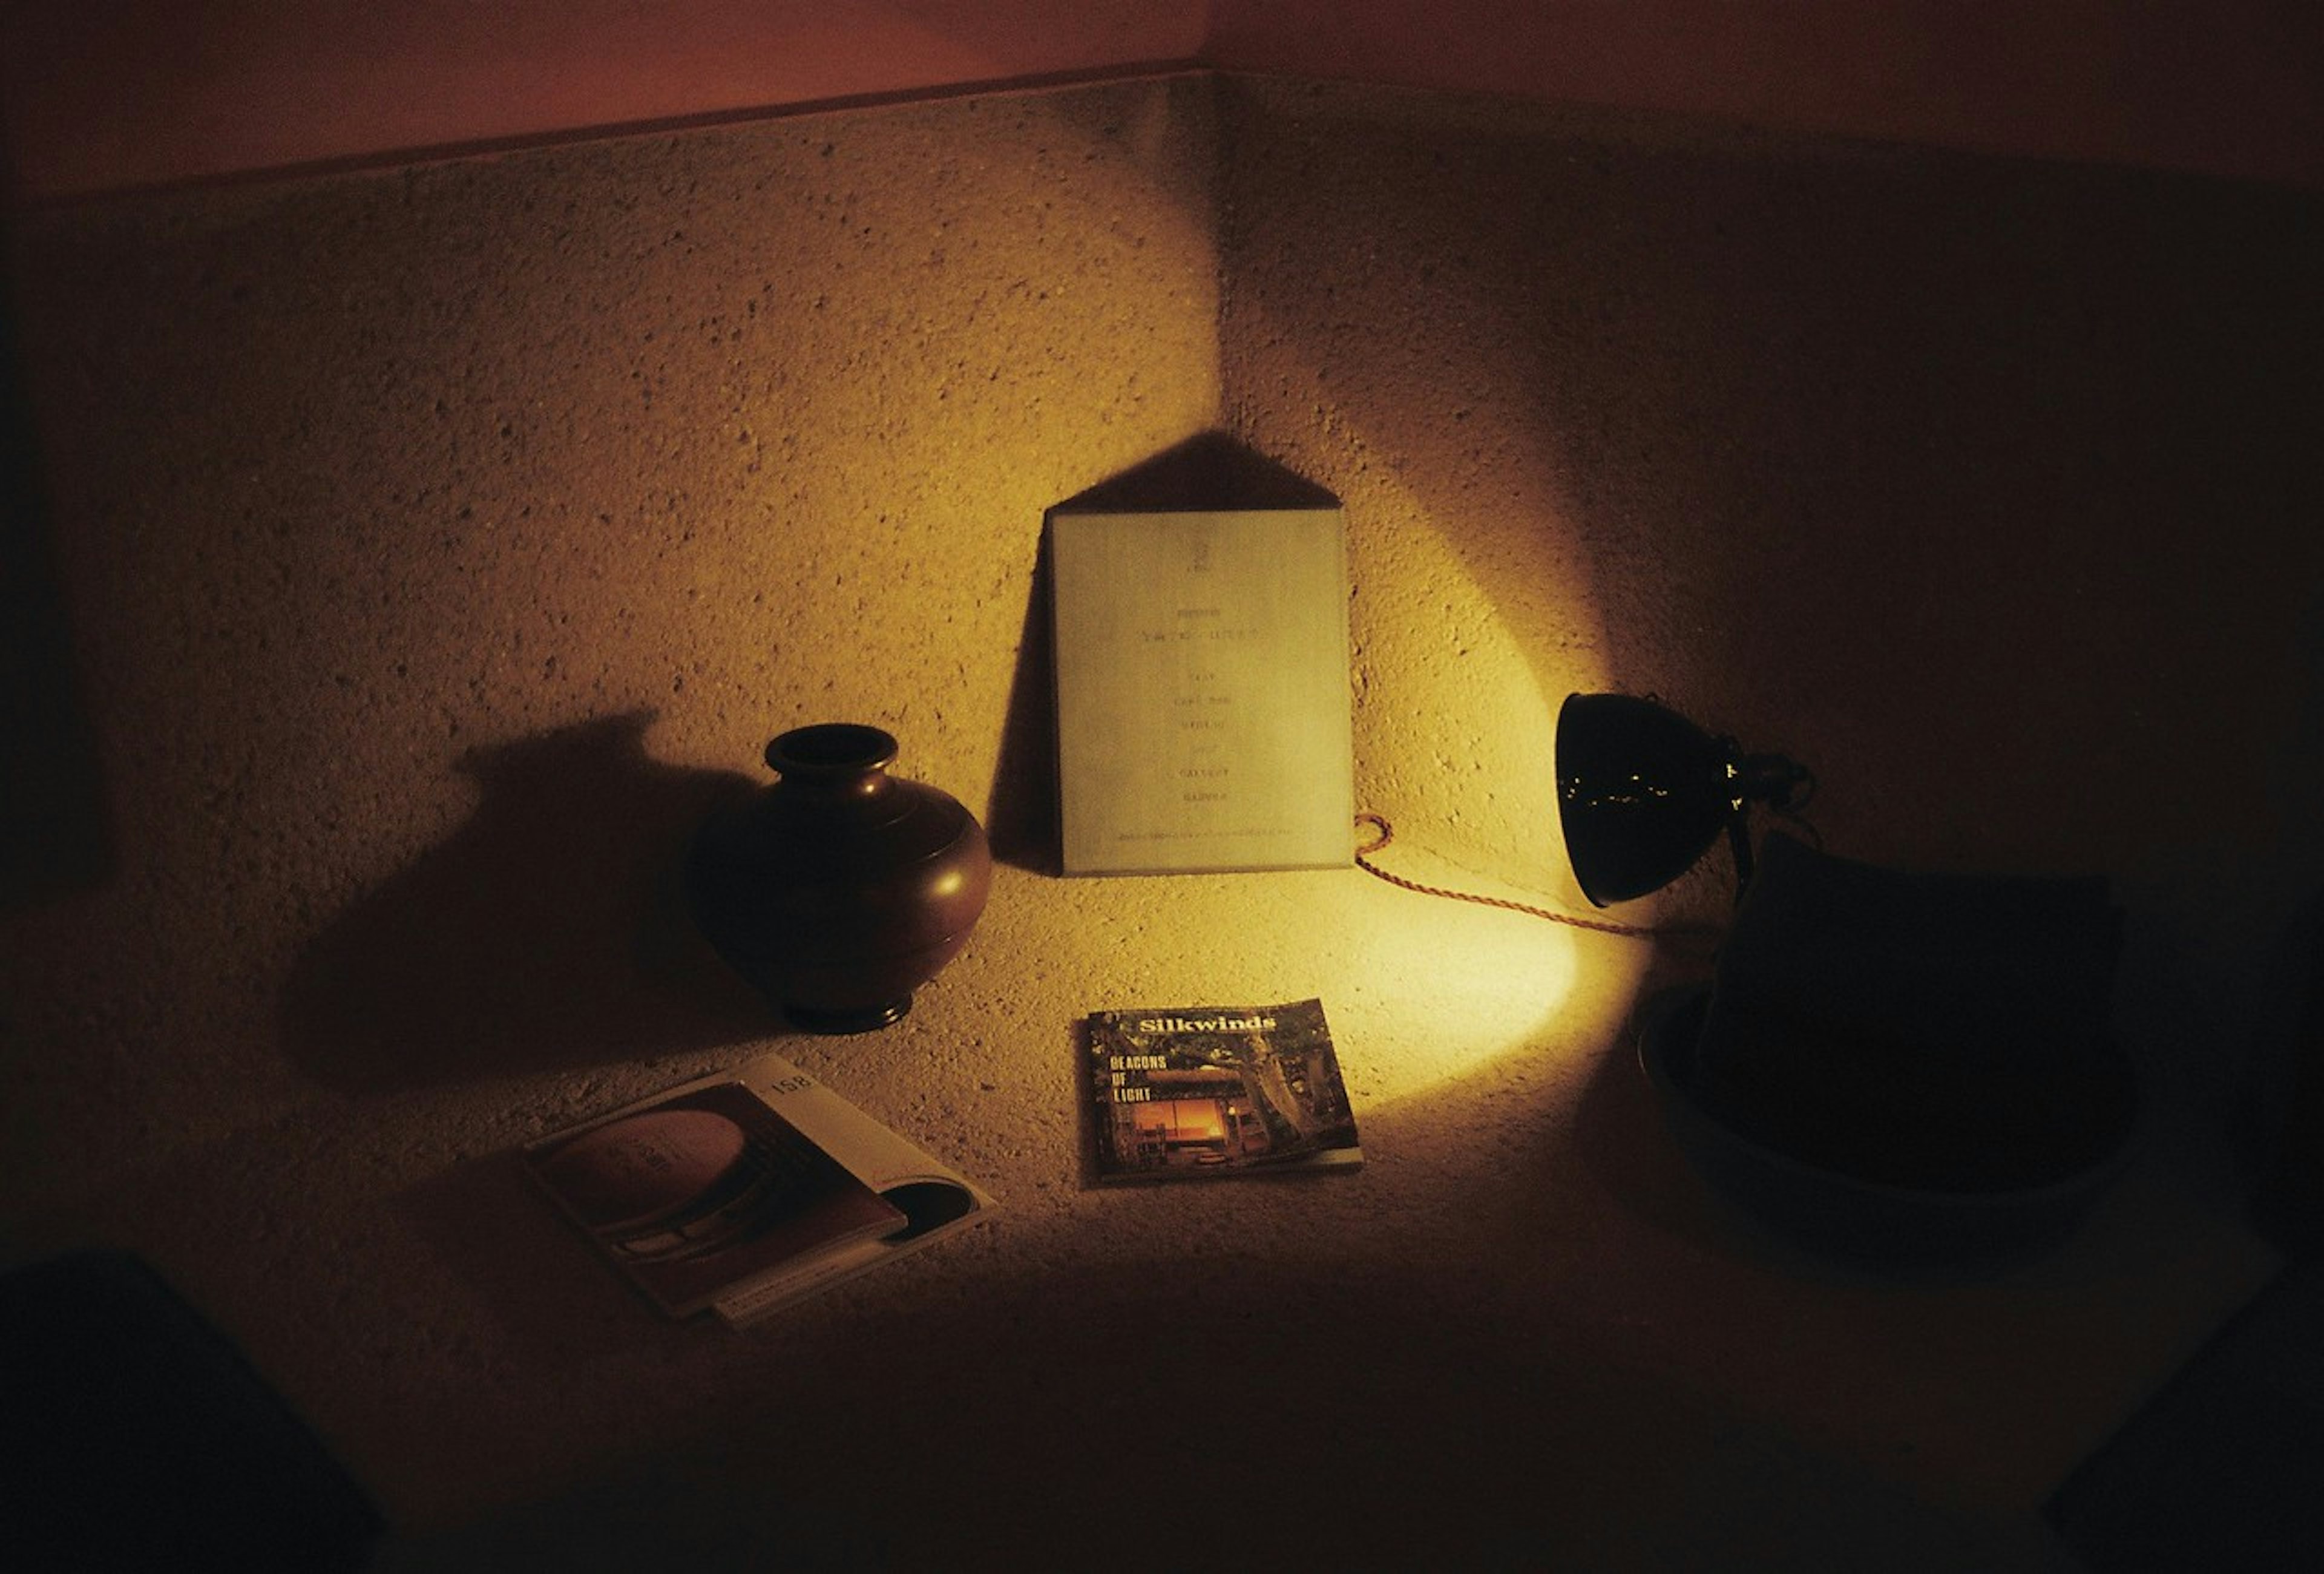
133,1436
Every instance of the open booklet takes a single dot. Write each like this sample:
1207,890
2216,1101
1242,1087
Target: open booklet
746,1190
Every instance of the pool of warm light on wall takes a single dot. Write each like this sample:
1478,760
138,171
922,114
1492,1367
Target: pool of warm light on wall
1446,987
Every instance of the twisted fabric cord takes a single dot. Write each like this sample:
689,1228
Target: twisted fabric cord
1387,833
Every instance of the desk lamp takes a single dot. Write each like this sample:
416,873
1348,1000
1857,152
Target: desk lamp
1891,1066
1642,793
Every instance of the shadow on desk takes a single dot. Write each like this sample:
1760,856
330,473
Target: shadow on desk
1114,1412
1098,1422
1759,1504
2225,1468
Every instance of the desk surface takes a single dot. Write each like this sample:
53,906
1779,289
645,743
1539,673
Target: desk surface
1523,1321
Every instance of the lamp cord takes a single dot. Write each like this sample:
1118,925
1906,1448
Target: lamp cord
1386,833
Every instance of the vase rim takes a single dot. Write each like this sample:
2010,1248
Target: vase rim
831,748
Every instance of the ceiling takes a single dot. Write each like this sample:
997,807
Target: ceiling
137,93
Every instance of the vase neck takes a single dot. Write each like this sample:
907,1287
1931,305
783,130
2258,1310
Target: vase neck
835,759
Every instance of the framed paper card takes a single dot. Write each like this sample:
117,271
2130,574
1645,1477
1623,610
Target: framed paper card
1204,719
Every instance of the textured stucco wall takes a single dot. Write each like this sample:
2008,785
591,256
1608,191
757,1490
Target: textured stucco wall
1982,486
377,497
435,541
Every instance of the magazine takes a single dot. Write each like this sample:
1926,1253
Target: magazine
1182,1093
744,1192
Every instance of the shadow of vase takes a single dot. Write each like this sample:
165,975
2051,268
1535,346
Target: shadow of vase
548,932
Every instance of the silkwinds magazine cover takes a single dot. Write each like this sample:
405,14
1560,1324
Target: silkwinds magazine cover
1186,1091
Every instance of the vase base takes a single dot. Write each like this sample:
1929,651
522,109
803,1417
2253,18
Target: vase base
859,1019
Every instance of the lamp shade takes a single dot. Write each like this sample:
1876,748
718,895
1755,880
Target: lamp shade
1642,793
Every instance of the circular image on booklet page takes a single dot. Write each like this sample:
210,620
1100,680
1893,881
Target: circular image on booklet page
664,1184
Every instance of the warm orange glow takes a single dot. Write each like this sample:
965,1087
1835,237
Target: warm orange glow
1473,617
1450,987
1184,1119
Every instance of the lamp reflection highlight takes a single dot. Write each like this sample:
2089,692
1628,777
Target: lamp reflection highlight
1642,793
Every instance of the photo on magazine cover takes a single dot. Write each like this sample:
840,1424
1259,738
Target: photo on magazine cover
1188,1091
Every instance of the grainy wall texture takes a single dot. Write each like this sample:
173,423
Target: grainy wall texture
1985,487
509,504
435,541
1980,483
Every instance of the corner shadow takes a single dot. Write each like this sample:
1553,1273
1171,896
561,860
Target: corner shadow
548,932
1021,817
1209,471
56,830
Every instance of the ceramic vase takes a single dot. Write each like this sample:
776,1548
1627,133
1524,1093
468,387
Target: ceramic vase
839,889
